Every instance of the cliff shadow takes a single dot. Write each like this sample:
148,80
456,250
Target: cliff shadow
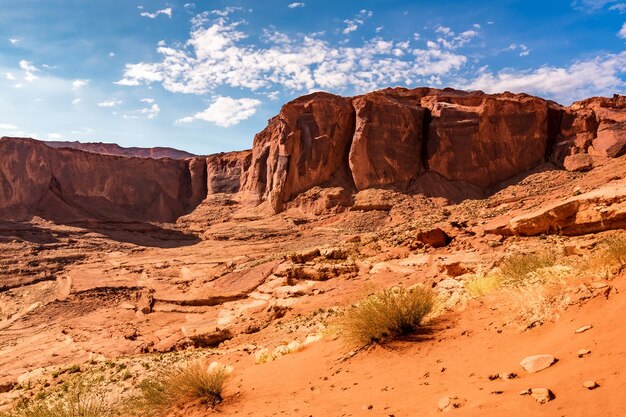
138,233
15,231
433,185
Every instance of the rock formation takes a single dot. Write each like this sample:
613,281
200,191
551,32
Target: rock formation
68,184
448,143
425,139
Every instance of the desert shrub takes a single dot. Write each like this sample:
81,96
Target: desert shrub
515,269
81,400
536,304
615,248
386,315
483,284
197,381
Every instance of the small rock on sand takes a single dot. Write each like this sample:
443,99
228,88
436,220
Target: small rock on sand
584,328
537,363
541,395
590,384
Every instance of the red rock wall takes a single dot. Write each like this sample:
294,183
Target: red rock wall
225,171
445,142
68,184
398,138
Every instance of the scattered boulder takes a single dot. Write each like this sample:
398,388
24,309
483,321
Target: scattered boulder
304,256
537,363
436,238
580,162
6,386
541,395
590,384
583,352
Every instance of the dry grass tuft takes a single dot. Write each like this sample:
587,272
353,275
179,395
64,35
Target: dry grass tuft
615,248
80,401
386,315
515,270
197,381
483,284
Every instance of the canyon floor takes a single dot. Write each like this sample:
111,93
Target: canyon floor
114,303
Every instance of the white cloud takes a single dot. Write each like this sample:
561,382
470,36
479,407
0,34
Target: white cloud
218,54
295,4
111,54
358,20
9,76
76,101
522,49
167,12
448,39
7,126
224,12
592,6
225,111
622,32
620,7
29,70
147,100
55,136
14,40
78,84
144,113
598,76
109,103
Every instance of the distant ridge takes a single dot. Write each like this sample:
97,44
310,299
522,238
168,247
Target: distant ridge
115,149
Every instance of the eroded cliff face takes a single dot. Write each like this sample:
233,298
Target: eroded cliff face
448,143
68,184
424,138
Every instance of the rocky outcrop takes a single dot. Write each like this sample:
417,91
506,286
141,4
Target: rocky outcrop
486,139
392,138
306,145
387,143
68,184
225,171
601,209
447,143
610,114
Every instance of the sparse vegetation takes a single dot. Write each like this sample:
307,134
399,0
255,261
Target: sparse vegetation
615,248
386,315
196,381
80,401
515,270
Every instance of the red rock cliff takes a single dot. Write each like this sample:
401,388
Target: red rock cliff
449,141
68,184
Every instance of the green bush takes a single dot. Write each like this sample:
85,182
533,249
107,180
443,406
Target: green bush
386,315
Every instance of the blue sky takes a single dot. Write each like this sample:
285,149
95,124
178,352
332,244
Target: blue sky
205,76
